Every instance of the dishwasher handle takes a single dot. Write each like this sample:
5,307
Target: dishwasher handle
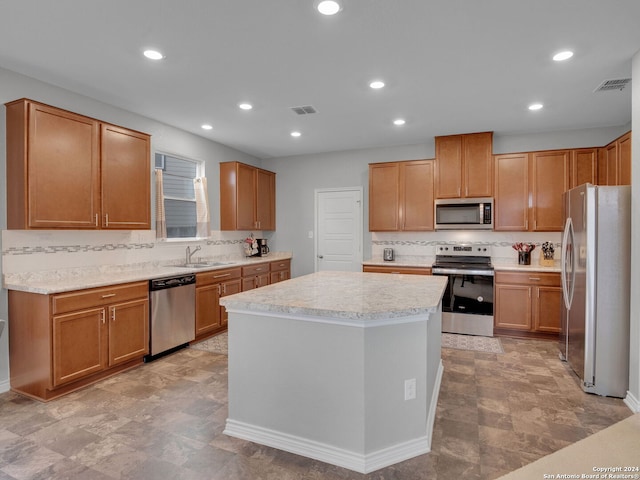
171,282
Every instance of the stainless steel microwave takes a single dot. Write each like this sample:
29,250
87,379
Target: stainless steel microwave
464,214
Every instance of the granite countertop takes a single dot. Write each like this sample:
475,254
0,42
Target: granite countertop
505,264
344,295
66,280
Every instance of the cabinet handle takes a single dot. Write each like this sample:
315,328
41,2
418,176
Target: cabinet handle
224,288
222,275
108,295
219,290
102,316
113,314
96,219
106,219
258,269
534,278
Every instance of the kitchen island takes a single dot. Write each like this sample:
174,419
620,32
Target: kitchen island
343,367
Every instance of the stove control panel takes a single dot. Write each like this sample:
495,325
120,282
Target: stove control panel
479,250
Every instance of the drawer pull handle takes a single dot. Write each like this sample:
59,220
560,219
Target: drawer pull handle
222,275
102,315
534,278
109,295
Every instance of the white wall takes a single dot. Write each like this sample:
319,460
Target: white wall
633,398
164,138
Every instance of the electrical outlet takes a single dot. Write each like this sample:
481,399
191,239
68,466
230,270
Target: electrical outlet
310,233
410,389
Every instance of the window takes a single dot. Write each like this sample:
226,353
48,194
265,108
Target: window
179,195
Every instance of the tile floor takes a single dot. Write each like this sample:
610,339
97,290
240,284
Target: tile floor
164,420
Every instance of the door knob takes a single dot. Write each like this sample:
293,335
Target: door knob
320,256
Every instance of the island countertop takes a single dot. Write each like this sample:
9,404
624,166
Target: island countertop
345,295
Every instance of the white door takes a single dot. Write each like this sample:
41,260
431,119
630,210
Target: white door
339,229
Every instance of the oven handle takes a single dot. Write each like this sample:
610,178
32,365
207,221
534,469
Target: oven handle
459,271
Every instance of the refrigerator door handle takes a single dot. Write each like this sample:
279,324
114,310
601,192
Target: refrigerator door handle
567,256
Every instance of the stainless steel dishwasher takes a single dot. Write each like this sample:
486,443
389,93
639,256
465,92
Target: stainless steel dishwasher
172,314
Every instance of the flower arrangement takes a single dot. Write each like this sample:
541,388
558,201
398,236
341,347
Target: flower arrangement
250,246
523,247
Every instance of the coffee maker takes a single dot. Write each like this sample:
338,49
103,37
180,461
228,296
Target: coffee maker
263,248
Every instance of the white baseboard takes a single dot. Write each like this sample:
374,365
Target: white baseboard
5,386
327,453
632,402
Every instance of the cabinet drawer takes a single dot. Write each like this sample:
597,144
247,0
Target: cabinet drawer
259,269
280,265
216,276
403,270
532,278
96,297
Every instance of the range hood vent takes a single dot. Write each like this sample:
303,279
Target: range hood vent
304,110
615,84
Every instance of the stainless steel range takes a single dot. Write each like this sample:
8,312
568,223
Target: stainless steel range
467,304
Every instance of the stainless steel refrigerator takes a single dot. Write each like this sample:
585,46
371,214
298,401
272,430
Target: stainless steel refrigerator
596,257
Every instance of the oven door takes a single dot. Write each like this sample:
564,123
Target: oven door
467,304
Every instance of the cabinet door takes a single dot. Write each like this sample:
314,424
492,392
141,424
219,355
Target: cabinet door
513,307
228,288
584,166
246,197
511,192
478,164
416,180
207,308
611,161
128,331
449,166
384,194
79,342
549,180
624,159
547,309
63,169
265,200
126,197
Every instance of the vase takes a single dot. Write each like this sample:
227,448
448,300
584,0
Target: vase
524,258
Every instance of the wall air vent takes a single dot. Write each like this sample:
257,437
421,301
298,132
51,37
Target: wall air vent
304,110
615,84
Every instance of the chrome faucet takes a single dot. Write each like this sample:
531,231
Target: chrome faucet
190,254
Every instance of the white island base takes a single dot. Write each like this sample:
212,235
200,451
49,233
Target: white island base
331,388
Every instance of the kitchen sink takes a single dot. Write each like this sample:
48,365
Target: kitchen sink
201,264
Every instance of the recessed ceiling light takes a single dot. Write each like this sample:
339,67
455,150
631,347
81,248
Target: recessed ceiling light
535,106
206,126
399,121
560,56
245,106
295,134
328,7
153,54
376,84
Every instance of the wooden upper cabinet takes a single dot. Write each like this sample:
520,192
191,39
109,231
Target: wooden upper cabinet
511,187
401,196
384,197
624,159
66,171
464,165
584,166
614,162
549,179
125,179
247,197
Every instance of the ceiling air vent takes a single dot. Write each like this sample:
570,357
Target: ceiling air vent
615,84
304,110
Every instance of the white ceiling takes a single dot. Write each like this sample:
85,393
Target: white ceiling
451,66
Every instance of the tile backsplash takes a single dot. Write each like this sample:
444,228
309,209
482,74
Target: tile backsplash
424,243
29,250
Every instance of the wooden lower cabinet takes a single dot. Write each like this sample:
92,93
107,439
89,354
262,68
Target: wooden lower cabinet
255,276
211,317
527,304
62,342
397,270
280,271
